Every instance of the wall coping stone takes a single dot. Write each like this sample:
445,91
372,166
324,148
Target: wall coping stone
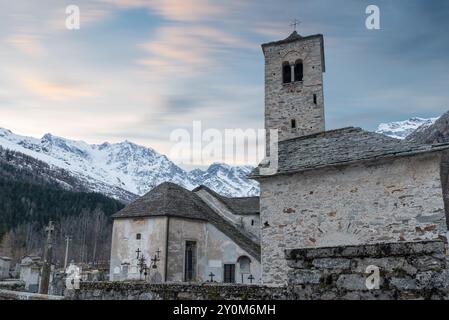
141,290
377,250
140,284
19,295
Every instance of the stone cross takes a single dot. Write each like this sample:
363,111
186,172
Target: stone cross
67,240
46,267
154,261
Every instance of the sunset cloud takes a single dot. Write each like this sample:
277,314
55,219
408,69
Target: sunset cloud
186,10
139,69
54,90
27,43
189,50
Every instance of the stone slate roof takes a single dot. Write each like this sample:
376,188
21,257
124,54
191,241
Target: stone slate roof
169,199
244,205
340,147
238,205
292,37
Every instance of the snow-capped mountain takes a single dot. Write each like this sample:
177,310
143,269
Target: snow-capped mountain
226,180
116,168
401,129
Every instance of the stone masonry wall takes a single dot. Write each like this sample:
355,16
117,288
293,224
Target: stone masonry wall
411,270
175,291
284,102
408,270
399,200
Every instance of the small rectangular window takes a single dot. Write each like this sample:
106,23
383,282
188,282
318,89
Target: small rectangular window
314,99
190,261
229,273
138,236
293,123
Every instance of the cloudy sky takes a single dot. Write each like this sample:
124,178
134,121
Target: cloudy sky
138,69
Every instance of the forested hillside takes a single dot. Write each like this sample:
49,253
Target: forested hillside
29,199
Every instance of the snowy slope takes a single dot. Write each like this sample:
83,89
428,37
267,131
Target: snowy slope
127,166
226,180
401,129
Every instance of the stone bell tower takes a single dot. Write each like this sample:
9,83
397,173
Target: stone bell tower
294,68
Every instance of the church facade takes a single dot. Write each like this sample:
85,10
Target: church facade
175,235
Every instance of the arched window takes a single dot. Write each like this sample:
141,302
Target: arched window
299,70
286,73
244,263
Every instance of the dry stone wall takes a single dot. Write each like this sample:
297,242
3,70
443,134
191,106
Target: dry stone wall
408,270
175,291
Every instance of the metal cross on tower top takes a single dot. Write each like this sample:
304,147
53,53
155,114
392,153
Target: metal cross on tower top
295,23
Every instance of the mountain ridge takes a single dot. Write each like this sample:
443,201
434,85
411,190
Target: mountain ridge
125,170
402,129
438,132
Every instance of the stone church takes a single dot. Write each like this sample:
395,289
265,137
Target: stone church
340,187
332,188
187,236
